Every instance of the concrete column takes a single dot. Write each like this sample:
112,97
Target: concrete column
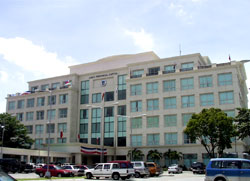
78,158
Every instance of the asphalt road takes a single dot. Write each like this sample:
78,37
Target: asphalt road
185,176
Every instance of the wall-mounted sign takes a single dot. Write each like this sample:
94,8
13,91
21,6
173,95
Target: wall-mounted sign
103,75
104,83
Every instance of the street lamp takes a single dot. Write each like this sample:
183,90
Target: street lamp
3,127
47,174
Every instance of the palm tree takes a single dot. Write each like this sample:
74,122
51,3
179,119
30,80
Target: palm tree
155,155
172,155
135,154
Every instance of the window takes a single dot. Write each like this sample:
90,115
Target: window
30,102
121,87
108,122
206,81
153,122
152,104
39,115
39,129
63,113
50,128
153,71
52,100
33,89
106,166
44,87
40,101
171,138
187,66
20,104
187,101
84,119
187,83
136,140
96,98
95,124
169,69
137,73
109,96
62,127
153,139
152,87
56,85
185,118
135,89
38,142
50,141
29,129
169,85
85,92
170,120
61,140
230,113
225,79
187,139
122,121
226,97
29,116
207,99
136,106
51,114
63,99
170,103
11,105
19,116
136,123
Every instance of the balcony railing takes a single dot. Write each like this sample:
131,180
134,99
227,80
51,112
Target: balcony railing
135,76
152,73
186,69
204,66
168,71
223,64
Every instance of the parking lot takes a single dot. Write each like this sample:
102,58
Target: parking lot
185,176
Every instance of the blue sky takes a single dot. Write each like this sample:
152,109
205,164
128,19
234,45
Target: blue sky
40,39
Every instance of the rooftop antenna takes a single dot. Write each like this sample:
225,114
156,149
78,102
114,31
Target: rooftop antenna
180,49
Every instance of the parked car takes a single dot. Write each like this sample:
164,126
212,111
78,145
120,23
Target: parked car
141,169
4,176
198,167
75,169
26,167
174,168
55,171
85,167
154,169
109,170
225,169
10,165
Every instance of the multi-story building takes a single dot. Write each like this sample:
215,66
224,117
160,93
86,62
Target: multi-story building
130,101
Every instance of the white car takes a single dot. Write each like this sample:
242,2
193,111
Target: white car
75,169
174,168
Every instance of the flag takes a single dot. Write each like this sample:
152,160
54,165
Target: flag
97,141
67,83
26,93
103,94
229,58
78,136
93,150
61,134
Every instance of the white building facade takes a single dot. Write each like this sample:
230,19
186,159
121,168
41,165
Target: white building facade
129,101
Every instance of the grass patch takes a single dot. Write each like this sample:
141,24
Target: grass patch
52,178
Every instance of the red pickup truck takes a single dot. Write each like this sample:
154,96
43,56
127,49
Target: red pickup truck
55,171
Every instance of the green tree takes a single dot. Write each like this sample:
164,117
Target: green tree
172,155
15,133
135,154
243,123
155,155
213,128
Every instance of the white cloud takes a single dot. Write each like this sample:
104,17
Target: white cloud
34,58
180,12
3,76
142,39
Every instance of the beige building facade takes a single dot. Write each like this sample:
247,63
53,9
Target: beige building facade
129,101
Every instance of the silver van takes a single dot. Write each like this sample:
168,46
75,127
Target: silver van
141,169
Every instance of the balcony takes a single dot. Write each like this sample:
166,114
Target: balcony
152,73
186,69
168,71
204,66
223,64
135,76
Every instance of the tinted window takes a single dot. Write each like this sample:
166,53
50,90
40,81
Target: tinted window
123,165
245,165
150,165
137,164
107,166
115,166
98,167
